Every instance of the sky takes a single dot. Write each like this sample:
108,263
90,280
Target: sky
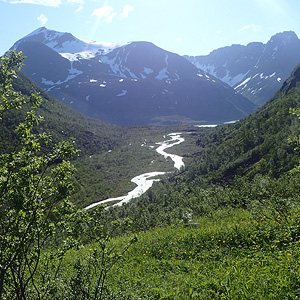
186,27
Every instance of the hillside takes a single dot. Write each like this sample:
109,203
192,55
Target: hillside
258,144
62,122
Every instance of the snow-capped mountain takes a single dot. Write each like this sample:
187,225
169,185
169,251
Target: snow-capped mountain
133,83
257,70
63,42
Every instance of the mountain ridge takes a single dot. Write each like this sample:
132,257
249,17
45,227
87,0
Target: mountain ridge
135,83
256,70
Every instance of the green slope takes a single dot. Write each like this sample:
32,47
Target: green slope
227,227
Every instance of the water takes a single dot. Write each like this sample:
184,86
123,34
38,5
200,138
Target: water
145,181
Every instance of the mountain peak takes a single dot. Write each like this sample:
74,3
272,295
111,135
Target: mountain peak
51,38
284,37
64,42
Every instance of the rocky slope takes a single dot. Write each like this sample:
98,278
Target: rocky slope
257,70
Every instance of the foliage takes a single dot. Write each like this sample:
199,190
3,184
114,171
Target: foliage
87,278
38,224
33,186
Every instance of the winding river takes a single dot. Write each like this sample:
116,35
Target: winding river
145,181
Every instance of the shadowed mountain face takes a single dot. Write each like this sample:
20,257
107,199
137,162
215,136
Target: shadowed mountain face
257,70
135,83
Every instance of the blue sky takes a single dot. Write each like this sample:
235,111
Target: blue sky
193,27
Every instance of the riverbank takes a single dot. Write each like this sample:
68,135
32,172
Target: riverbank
145,181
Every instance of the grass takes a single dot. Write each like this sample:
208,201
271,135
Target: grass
228,256
227,253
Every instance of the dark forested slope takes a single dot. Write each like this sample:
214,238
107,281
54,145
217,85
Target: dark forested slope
61,121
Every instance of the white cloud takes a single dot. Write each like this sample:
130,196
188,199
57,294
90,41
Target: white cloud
43,19
54,3
179,39
126,10
79,9
253,27
107,13
110,17
75,1
219,32
102,12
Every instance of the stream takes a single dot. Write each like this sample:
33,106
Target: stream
145,181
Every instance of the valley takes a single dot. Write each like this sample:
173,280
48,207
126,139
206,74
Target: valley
108,174
209,212
144,181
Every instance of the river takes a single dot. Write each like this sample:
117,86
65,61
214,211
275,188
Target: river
144,181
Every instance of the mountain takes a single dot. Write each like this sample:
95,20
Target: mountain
133,83
257,70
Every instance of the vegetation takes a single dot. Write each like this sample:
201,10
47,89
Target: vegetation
38,224
225,227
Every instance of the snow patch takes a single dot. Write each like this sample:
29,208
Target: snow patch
148,70
243,83
117,67
163,73
47,82
228,78
123,93
232,80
